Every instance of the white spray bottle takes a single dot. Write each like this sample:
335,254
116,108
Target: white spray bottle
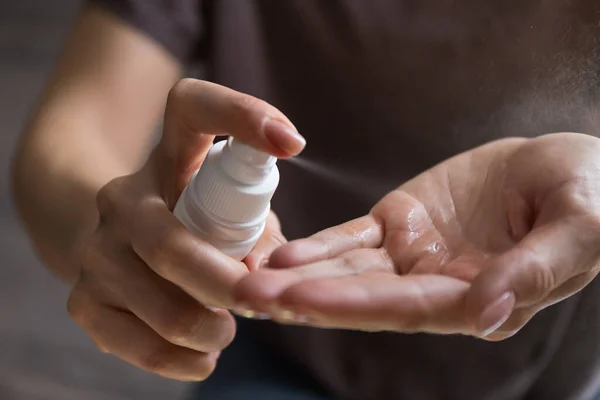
227,201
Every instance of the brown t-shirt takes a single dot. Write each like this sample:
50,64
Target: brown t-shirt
384,89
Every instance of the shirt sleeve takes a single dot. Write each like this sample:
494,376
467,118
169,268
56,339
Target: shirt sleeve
180,26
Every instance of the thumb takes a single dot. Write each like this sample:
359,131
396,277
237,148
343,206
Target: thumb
196,111
528,273
270,240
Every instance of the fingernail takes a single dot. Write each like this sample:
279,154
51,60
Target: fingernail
250,314
283,136
496,314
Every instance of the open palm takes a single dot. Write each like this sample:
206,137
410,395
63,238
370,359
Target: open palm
476,245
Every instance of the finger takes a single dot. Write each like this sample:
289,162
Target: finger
271,239
518,319
259,290
411,237
201,106
167,309
379,302
364,232
197,109
417,252
183,321
527,274
521,316
124,335
175,254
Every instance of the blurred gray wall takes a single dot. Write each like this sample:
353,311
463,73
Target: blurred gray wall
43,355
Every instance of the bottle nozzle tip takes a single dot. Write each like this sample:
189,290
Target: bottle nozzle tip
249,155
244,162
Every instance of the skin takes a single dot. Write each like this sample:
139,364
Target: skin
143,287
431,256
476,245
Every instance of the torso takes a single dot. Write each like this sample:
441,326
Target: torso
386,89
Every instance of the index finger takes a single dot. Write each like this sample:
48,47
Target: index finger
363,232
380,301
196,106
178,256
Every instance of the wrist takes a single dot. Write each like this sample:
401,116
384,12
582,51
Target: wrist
56,211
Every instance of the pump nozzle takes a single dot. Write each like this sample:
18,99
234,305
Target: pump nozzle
245,164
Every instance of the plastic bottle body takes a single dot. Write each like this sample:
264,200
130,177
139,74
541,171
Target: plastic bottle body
235,241
228,200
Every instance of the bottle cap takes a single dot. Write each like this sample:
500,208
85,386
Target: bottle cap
236,183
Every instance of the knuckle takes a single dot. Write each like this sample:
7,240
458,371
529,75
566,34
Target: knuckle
106,199
180,90
359,230
159,361
159,250
401,211
324,243
247,111
278,239
111,198
421,314
92,256
74,308
139,218
351,230
541,279
155,242
87,253
245,103
350,263
139,215
82,312
385,262
78,305
184,326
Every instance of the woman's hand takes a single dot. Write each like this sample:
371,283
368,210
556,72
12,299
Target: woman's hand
149,291
477,245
